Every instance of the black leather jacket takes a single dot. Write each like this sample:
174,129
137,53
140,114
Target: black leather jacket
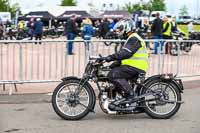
131,47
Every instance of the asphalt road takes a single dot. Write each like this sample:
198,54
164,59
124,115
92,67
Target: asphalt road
40,118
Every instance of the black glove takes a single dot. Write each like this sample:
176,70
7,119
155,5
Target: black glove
115,64
109,58
101,59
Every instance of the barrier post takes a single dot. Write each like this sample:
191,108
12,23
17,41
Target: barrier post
178,58
20,62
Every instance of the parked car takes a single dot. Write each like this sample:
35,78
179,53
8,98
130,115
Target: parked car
184,19
5,16
196,21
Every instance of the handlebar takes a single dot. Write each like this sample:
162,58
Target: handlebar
98,59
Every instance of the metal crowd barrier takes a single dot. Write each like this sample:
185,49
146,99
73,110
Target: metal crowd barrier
32,62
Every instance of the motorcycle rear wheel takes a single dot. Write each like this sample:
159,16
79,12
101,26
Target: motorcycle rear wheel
152,108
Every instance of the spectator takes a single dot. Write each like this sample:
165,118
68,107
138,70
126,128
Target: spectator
30,26
174,25
167,32
8,23
88,32
97,26
20,32
38,30
1,30
9,32
111,24
104,28
71,31
156,30
21,25
190,27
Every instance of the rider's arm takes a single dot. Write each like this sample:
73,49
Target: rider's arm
130,48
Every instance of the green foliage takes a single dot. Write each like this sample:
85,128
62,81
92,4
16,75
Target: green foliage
183,10
6,7
135,7
153,5
158,5
68,3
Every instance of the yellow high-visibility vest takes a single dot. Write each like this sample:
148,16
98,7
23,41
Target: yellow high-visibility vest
169,29
140,58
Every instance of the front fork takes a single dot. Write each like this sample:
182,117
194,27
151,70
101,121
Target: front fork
81,84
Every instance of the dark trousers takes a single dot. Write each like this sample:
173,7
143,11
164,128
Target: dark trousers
70,36
38,37
120,75
167,45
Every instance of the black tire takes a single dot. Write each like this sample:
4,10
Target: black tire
90,106
171,113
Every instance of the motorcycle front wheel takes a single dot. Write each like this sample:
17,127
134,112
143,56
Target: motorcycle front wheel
69,105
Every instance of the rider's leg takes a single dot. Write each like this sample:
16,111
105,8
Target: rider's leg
119,75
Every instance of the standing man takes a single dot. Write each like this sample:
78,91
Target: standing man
70,31
190,27
1,30
38,30
30,26
174,25
167,32
104,28
156,30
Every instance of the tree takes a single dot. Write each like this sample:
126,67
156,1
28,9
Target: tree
68,3
183,10
6,7
14,8
153,5
157,5
135,7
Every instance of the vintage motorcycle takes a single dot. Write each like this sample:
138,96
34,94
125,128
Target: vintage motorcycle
159,96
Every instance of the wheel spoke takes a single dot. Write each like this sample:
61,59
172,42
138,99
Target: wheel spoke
61,99
160,106
83,98
83,105
72,108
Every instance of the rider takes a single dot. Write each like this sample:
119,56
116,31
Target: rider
132,57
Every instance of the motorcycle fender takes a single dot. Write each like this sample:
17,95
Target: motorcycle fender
177,82
76,78
70,78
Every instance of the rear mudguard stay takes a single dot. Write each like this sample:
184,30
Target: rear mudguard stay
92,90
176,82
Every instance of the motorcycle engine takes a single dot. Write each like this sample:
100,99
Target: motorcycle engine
108,95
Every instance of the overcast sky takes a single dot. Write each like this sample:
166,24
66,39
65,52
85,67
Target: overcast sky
173,6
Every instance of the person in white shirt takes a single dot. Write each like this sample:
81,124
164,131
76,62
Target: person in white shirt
190,27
